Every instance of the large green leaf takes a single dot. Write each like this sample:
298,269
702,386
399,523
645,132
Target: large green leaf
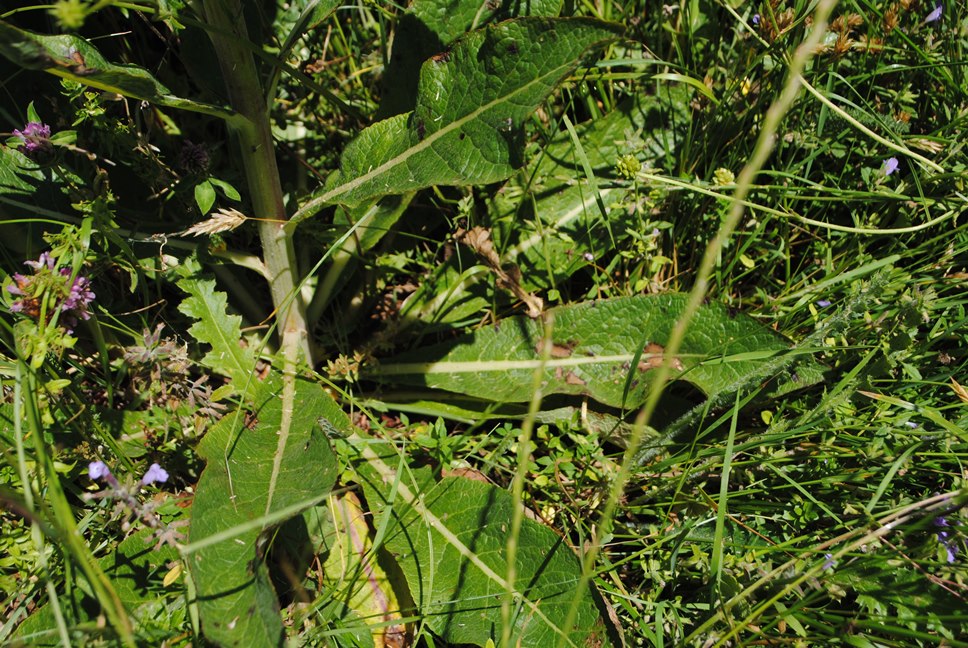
261,468
606,349
466,127
455,597
72,57
431,26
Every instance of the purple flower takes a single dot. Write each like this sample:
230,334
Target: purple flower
823,303
79,297
48,288
98,470
934,15
756,19
890,166
944,537
829,562
155,474
42,261
36,140
588,256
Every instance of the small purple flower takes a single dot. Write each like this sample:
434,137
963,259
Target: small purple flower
934,15
98,470
944,537
890,166
829,562
48,288
79,297
823,303
155,474
588,256
194,158
756,19
44,260
36,140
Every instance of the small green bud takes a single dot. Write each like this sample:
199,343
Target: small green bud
69,14
628,166
723,177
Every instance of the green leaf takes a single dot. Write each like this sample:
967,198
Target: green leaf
466,127
456,599
448,19
228,190
17,174
601,349
72,57
222,331
204,196
262,468
429,27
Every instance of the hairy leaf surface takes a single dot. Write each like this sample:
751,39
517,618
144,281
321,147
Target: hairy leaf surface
606,349
466,127
456,599
269,462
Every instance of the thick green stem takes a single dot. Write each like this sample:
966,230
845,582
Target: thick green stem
229,35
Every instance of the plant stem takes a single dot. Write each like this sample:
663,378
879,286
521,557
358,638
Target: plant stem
229,35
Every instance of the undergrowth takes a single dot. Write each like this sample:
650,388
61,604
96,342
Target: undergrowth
227,375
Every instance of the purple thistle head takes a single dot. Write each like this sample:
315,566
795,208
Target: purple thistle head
36,141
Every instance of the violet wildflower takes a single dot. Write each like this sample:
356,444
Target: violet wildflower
194,158
99,471
48,289
129,506
829,562
79,297
588,256
155,474
756,19
823,303
44,260
890,166
36,141
934,15
944,537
